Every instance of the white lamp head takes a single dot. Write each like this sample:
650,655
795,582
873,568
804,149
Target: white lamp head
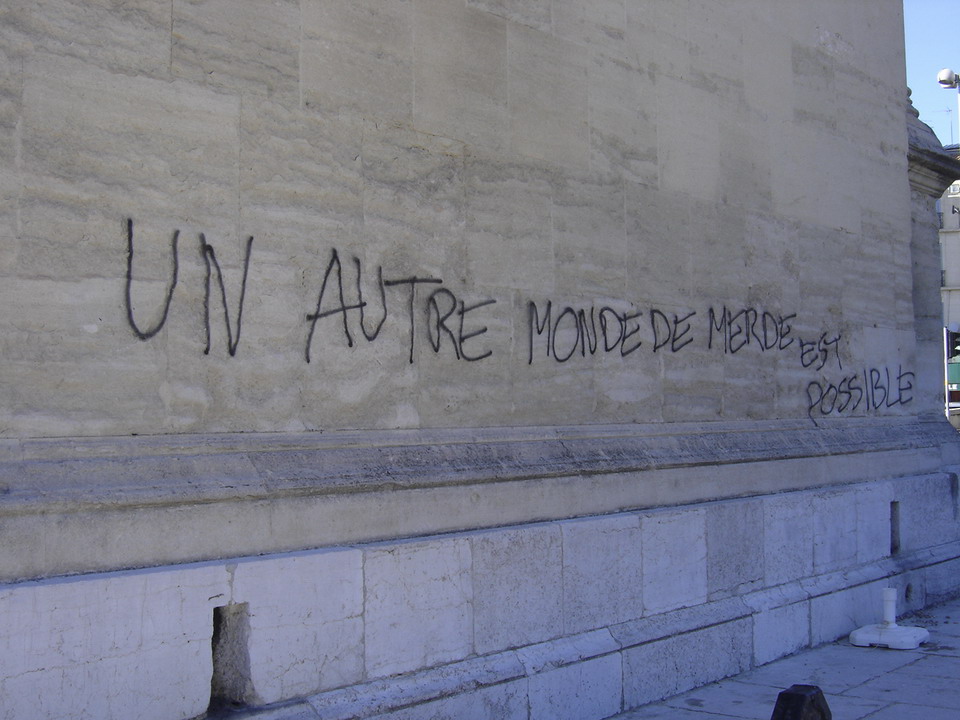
947,78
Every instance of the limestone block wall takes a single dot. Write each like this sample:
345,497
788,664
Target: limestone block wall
577,618
450,213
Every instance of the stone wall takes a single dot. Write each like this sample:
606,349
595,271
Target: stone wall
568,619
447,213
458,357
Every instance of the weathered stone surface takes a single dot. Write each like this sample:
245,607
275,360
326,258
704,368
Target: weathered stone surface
99,633
834,531
780,631
834,615
667,667
787,538
281,492
306,621
460,73
253,49
417,605
734,547
612,162
674,560
517,585
357,273
928,518
358,57
585,690
329,613
547,73
602,572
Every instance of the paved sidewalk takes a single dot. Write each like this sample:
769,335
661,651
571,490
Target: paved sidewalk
858,683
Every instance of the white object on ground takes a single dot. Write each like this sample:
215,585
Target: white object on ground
887,633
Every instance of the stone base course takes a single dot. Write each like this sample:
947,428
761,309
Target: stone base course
429,626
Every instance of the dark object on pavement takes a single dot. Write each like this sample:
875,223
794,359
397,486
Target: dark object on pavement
801,702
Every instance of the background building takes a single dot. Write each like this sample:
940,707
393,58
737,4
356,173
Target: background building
948,214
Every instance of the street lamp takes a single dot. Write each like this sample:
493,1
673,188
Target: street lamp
949,79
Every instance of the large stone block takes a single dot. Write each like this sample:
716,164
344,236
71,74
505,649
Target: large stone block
734,547
417,605
787,538
873,521
518,587
460,73
358,57
589,232
674,560
131,38
253,49
941,581
667,667
589,690
780,631
508,234
837,614
835,530
547,97
175,142
623,115
109,645
686,115
928,507
306,621
602,572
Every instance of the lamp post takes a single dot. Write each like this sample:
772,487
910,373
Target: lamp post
949,79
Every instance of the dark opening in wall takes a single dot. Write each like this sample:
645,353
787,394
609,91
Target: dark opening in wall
955,495
231,685
894,528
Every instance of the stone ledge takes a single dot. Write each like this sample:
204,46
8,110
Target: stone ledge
77,473
76,506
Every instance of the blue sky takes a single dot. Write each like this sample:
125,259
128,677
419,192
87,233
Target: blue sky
932,36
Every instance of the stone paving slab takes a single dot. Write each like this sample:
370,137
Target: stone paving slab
912,688
898,711
755,702
858,683
834,668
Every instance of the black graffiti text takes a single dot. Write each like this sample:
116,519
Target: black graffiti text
735,329
872,389
213,269
449,320
585,329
